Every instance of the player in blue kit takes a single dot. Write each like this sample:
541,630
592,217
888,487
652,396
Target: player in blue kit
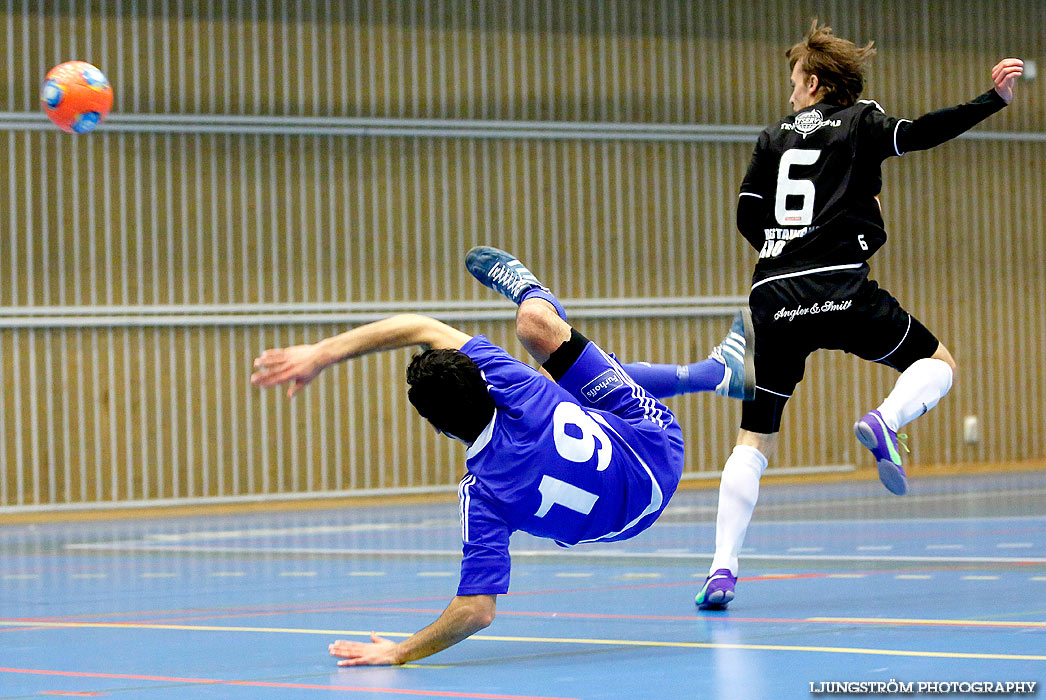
589,456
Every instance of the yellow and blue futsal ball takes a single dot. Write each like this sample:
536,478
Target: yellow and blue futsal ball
76,96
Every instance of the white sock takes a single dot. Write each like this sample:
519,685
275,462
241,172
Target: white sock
917,390
738,492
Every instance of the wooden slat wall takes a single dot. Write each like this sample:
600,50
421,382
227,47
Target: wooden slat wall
113,414
700,61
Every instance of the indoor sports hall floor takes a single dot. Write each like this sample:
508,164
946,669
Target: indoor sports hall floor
841,582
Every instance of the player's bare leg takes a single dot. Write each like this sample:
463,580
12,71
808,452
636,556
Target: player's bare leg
540,329
541,321
729,370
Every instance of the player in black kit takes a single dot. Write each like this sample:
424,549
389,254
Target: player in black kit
809,205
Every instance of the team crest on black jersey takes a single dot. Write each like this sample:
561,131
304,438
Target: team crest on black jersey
809,122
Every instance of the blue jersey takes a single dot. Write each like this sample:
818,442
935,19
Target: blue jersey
552,465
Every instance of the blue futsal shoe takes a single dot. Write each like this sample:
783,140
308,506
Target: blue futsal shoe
717,591
501,272
873,433
737,352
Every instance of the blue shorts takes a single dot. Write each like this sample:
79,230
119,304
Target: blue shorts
598,381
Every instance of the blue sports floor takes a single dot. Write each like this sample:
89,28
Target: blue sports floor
840,582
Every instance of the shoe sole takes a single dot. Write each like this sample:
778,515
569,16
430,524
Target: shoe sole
746,321
717,601
893,478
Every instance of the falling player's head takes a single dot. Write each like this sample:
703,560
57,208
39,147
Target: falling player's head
832,66
447,389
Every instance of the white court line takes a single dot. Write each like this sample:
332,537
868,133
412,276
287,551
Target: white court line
298,573
906,577
20,577
872,557
909,498
806,549
260,532
980,578
945,546
1014,545
435,573
227,574
775,522
89,576
366,573
875,548
158,574
548,553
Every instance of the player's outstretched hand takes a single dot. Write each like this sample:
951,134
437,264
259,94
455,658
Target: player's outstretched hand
1005,73
298,364
378,652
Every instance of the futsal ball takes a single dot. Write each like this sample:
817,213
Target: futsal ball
76,96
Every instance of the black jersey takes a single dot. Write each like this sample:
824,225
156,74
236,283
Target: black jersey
808,200
818,172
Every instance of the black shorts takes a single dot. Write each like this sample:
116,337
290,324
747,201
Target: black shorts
836,310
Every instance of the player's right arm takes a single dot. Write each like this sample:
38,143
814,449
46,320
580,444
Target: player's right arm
465,616
300,364
485,571
942,125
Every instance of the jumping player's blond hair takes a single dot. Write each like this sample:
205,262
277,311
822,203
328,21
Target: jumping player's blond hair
839,64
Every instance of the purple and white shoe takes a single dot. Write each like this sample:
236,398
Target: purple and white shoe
717,591
873,432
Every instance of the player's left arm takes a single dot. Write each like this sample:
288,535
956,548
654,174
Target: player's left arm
299,364
942,125
753,201
466,615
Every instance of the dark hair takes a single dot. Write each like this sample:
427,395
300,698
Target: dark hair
838,63
448,390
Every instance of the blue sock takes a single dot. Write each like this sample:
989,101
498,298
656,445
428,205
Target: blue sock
664,381
542,293
704,375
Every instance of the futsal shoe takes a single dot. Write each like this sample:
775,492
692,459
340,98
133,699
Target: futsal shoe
737,352
501,272
717,591
873,433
